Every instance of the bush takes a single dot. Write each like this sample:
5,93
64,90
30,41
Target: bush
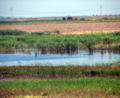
38,33
82,19
117,33
11,32
57,31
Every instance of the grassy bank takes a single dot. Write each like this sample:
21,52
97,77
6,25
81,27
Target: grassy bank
82,87
12,39
59,71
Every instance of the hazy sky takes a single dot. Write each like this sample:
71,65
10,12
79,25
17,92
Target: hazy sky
46,8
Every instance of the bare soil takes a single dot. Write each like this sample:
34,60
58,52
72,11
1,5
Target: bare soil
74,28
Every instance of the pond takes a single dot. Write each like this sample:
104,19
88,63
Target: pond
73,57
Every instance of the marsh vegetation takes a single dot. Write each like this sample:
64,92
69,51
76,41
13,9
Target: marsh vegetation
67,81
13,39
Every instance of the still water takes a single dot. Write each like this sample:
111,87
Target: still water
76,57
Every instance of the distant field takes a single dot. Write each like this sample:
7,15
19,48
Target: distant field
66,25
35,22
74,28
59,20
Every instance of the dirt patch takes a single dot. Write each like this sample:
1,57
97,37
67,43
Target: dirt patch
75,28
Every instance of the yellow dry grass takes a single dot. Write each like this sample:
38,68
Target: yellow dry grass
89,32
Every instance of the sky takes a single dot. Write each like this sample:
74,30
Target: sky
49,8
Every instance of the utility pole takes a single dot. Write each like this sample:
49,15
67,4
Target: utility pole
101,9
11,10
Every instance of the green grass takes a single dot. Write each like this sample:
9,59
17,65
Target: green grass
55,87
57,41
87,83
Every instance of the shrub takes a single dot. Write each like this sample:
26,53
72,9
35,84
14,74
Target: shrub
38,33
57,31
82,19
117,33
11,32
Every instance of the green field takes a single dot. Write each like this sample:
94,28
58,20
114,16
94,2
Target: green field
82,87
12,39
59,21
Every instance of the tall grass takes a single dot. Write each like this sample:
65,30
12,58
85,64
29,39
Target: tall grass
20,39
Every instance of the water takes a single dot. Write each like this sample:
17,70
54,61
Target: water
56,58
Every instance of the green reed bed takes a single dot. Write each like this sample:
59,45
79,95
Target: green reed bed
82,87
59,71
10,39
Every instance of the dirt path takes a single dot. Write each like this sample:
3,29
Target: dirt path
75,28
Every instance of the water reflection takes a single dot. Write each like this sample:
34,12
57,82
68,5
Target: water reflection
43,51
59,57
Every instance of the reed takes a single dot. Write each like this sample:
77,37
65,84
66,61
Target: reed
53,41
